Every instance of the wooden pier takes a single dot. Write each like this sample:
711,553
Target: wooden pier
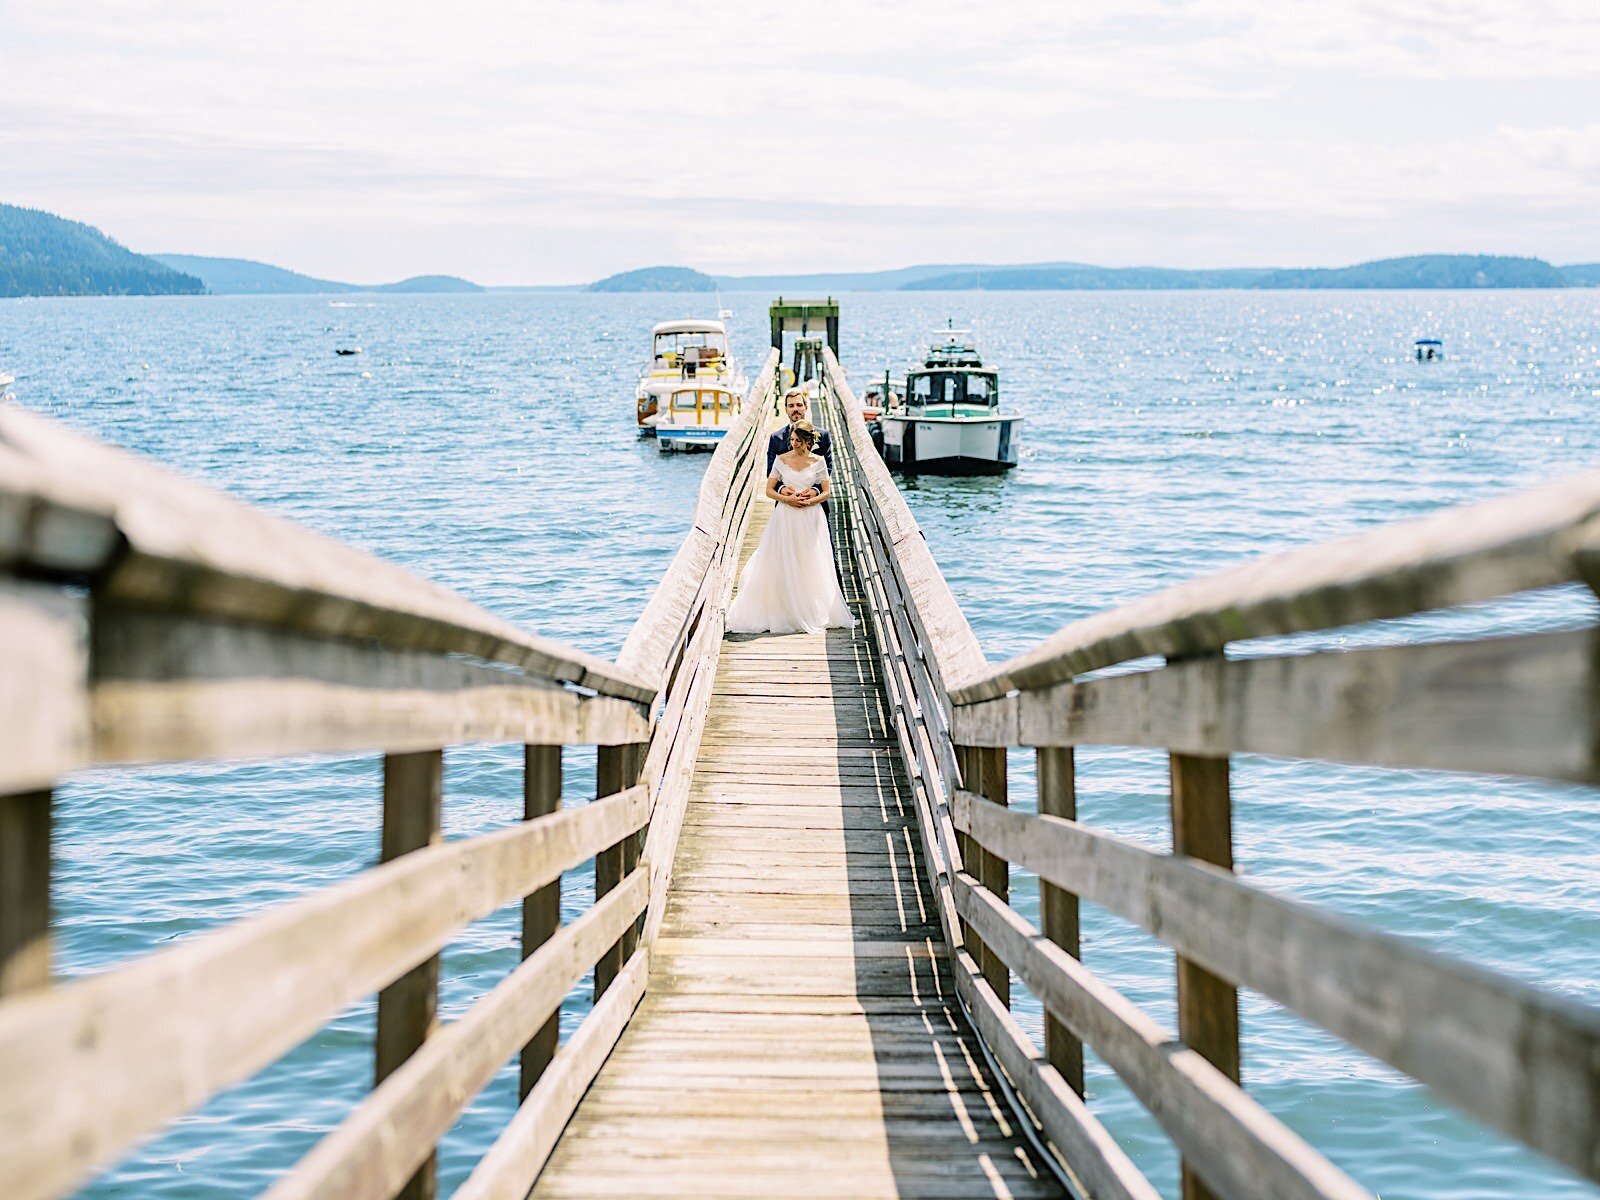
802,945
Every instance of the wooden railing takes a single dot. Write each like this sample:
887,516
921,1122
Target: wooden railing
1519,1059
146,619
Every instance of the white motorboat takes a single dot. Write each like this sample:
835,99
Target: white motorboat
948,420
5,387
686,354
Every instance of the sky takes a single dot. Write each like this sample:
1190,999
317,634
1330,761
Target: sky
550,142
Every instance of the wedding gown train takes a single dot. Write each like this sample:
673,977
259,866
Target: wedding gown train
789,585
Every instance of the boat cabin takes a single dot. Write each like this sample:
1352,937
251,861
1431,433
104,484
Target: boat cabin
952,376
688,346
1429,349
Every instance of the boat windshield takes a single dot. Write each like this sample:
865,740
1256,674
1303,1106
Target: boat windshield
703,404
949,388
675,348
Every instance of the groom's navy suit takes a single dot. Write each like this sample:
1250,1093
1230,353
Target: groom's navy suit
778,444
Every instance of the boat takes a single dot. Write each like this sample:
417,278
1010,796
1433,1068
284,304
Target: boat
6,381
1428,349
696,417
948,419
685,354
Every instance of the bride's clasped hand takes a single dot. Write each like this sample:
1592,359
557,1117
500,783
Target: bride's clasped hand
789,584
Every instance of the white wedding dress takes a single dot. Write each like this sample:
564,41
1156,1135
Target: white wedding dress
788,586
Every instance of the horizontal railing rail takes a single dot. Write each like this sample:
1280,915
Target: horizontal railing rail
145,618
1516,1057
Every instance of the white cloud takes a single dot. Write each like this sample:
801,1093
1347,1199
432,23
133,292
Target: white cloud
554,141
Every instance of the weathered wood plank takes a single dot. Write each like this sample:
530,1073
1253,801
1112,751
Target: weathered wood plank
512,1164
386,1137
1237,1146
1523,705
408,1008
541,909
174,688
25,869
1513,1056
44,691
617,769
1098,1166
1471,552
155,1039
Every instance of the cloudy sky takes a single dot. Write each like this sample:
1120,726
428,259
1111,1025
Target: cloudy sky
552,142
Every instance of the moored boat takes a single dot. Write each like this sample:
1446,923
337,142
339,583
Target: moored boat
948,419
684,354
696,417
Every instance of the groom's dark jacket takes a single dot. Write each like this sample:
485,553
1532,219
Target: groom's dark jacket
778,444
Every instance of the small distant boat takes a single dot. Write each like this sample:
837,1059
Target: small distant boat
696,418
6,395
948,419
1428,349
348,350
879,397
684,354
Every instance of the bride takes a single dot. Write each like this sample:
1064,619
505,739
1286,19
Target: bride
789,586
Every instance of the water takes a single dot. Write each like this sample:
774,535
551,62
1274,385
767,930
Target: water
487,442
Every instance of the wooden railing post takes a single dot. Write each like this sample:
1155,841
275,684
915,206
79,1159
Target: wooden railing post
25,820
1058,797
541,910
616,770
983,771
1208,1007
413,786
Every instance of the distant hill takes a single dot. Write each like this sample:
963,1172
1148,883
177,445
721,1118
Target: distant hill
656,279
865,281
1419,271
1582,274
1082,277
428,283
244,277
46,255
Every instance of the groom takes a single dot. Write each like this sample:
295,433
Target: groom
796,404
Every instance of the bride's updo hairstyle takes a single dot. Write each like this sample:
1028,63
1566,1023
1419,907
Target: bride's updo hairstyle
807,433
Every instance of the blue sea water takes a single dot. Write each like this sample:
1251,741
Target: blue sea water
487,442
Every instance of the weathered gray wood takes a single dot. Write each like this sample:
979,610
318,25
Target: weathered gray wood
512,1164
173,687
1516,1058
541,909
389,1135
1099,1167
1208,1007
1472,552
25,859
1239,1148
46,526
183,547
44,706
616,770
1058,907
92,1066
1523,705
408,1008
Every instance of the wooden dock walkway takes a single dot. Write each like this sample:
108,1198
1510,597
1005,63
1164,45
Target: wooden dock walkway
802,941
799,1034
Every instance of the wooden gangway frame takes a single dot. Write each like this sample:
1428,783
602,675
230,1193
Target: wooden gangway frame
216,630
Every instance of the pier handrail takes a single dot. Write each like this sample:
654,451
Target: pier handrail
147,618
1517,1057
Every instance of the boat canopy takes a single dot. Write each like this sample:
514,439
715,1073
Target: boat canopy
1429,342
689,327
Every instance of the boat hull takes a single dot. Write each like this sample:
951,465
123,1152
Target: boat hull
688,439
951,445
